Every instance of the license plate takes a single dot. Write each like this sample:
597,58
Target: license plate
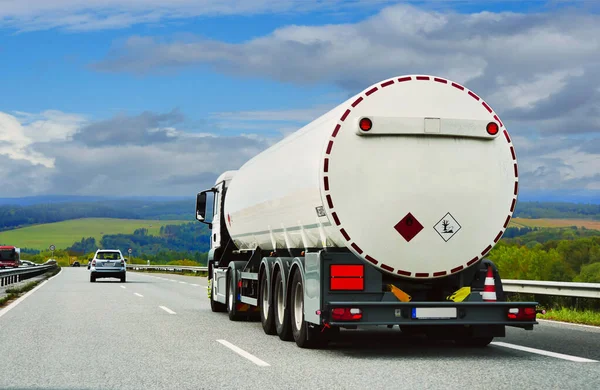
434,313
108,264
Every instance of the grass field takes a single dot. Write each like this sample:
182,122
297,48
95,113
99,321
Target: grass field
587,317
554,223
64,234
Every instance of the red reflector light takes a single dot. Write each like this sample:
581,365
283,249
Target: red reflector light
346,314
347,284
346,271
492,128
346,277
522,314
365,124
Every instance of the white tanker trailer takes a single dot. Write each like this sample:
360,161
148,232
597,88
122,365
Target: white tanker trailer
379,212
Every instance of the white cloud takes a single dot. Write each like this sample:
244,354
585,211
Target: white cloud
86,15
123,155
517,61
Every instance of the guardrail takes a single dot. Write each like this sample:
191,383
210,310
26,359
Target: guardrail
565,289
15,275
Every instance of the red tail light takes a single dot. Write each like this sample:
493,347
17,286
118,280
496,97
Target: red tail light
94,262
522,314
492,128
346,314
122,263
365,124
346,277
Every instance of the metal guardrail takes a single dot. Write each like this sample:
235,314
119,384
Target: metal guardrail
565,289
15,275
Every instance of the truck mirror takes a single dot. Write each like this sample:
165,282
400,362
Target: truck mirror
201,206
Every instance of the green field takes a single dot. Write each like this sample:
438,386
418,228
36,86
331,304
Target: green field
64,234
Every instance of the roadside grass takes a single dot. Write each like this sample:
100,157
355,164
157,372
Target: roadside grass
586,317
64,234
14,293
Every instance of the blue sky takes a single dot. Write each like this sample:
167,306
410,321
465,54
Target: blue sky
141,80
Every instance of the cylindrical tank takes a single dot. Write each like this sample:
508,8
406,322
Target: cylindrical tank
416,175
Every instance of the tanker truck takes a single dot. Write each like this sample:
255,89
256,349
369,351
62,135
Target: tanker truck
378,213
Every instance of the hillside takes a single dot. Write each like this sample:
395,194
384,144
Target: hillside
15,216
64,234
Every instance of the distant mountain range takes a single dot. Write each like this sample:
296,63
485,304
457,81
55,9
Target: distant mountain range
570,196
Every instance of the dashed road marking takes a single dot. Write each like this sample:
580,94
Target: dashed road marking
244,354
167,310
545,353
139,295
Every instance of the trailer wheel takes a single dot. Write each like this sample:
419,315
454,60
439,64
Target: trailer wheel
231,301
282,314
305,335
266,307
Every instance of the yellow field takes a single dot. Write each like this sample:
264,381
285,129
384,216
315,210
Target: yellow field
554,223
64,234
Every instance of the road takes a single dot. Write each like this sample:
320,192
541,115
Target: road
157,331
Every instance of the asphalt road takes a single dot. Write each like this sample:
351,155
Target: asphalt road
157,332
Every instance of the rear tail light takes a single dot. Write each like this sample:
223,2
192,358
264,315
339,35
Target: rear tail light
346,314
365,124
122,263
94,262
522,314
492,128
346,277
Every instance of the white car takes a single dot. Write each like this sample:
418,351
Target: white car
108,263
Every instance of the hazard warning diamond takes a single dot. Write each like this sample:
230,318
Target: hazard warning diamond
447,227
408,227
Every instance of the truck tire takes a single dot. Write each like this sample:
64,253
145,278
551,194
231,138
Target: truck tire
266,307
305,335
282,314
231,298
216,307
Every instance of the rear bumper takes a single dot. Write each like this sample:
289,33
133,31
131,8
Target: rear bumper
403,313
108,273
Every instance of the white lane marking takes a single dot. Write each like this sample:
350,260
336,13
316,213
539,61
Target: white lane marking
22,298
139,295
568,324
183,282
123,287
167,310
243,353
545,353
195,285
